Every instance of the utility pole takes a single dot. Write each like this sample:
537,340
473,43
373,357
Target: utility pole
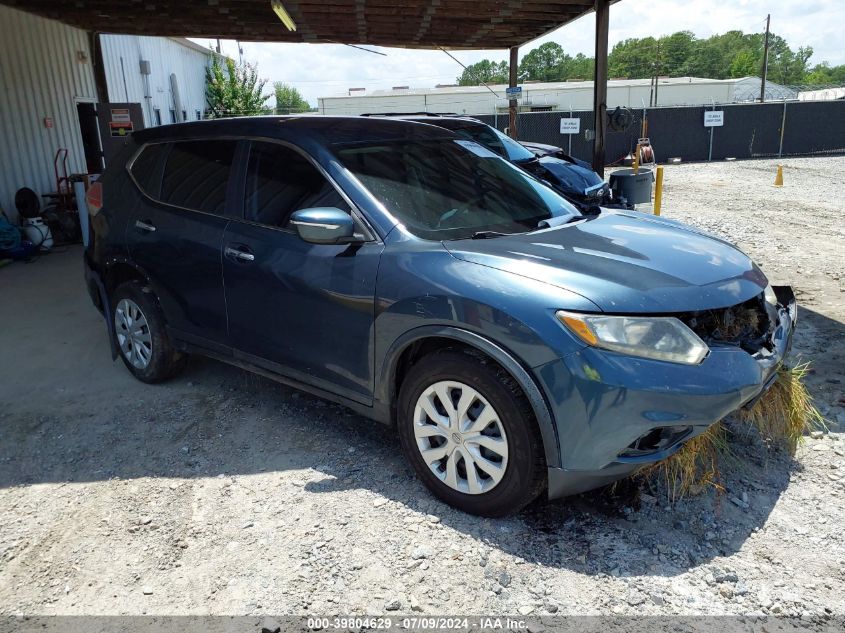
765,61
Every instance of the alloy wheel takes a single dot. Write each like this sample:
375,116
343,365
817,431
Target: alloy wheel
133,333
460,437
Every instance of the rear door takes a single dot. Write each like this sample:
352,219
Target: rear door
176,234
303,310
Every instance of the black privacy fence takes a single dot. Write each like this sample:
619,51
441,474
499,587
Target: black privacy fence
754,130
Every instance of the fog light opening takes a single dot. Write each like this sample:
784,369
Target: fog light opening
656,440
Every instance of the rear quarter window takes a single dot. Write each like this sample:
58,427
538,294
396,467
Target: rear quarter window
196,175
146,168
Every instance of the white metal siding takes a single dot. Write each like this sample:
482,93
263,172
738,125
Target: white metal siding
560,96
41,76
166,56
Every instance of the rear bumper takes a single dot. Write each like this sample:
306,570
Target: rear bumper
615,413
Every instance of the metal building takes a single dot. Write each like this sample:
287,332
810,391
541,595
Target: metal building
540,97
50,94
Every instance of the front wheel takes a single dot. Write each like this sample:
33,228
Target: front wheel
470,433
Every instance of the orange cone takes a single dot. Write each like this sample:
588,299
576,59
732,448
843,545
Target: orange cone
779,177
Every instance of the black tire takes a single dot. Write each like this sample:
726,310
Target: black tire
525,473
164,360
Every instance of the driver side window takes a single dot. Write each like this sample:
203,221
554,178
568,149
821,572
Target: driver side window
280,181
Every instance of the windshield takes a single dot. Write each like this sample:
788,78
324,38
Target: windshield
492,138
447,189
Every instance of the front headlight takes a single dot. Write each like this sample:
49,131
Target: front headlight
662,338
770,296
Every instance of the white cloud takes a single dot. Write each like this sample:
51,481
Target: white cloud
324,69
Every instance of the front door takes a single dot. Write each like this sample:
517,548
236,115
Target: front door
304,310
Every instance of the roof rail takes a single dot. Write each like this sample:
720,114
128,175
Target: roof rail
431,114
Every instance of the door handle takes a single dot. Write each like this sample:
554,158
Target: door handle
239,255
145,225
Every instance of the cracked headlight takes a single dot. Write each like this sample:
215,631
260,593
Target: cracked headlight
770,296
661,338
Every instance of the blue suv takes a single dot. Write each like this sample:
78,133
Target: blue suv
416,277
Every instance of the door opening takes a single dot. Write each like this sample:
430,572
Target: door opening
91,142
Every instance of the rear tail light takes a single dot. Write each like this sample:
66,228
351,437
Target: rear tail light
94,198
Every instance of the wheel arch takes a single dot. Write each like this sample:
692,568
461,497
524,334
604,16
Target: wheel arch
427,339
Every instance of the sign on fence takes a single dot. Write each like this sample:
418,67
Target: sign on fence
514,93
570,126
714,118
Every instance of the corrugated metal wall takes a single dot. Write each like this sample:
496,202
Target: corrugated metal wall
166,56
41,76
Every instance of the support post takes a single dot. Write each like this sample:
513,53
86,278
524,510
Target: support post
100,84
512,104
600,84
765,70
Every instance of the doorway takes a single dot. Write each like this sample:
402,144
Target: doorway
92,144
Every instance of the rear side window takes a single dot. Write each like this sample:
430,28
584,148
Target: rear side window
196,175
146,168
280,181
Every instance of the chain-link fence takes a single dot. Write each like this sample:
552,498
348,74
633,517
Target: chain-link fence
750,130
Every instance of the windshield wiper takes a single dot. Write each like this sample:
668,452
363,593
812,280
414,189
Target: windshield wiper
485,235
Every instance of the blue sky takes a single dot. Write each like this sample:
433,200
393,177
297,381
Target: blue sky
319,70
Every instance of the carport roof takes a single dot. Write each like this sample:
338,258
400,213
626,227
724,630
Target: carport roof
453,24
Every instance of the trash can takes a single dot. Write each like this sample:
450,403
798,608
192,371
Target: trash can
635,188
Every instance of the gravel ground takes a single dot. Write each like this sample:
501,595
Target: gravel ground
224,493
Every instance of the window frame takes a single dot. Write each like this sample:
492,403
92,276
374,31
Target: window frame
361,222
230,209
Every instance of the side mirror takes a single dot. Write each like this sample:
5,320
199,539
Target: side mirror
324,225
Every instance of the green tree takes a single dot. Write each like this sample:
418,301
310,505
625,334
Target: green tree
234,89
288,99
484,72
746,63
634,58
544,63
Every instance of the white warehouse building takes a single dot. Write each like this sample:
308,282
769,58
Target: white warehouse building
539,97
82,93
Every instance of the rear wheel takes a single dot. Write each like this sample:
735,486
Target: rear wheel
141,337
470,433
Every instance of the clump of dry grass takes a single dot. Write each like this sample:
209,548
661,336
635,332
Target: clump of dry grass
781,417
695,466
786,411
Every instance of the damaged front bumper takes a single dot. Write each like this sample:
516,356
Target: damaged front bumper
616,413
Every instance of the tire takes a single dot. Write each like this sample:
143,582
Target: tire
512,441
142,340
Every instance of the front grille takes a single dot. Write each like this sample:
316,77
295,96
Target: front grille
747,325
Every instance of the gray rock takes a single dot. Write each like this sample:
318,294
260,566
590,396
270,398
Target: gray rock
393,605
420,552
657,599
504,579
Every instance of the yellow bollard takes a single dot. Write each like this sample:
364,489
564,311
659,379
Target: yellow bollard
779,177
658,191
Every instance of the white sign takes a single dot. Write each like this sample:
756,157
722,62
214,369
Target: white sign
714,118
570,126
514,93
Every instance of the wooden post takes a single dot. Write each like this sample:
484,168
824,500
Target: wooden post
512,104
600,84
765,69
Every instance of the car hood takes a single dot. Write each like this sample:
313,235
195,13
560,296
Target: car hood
570,175
625,262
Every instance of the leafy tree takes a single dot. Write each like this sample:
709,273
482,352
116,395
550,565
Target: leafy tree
746,63
234,89
288,99
485,71
544,63
633,58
